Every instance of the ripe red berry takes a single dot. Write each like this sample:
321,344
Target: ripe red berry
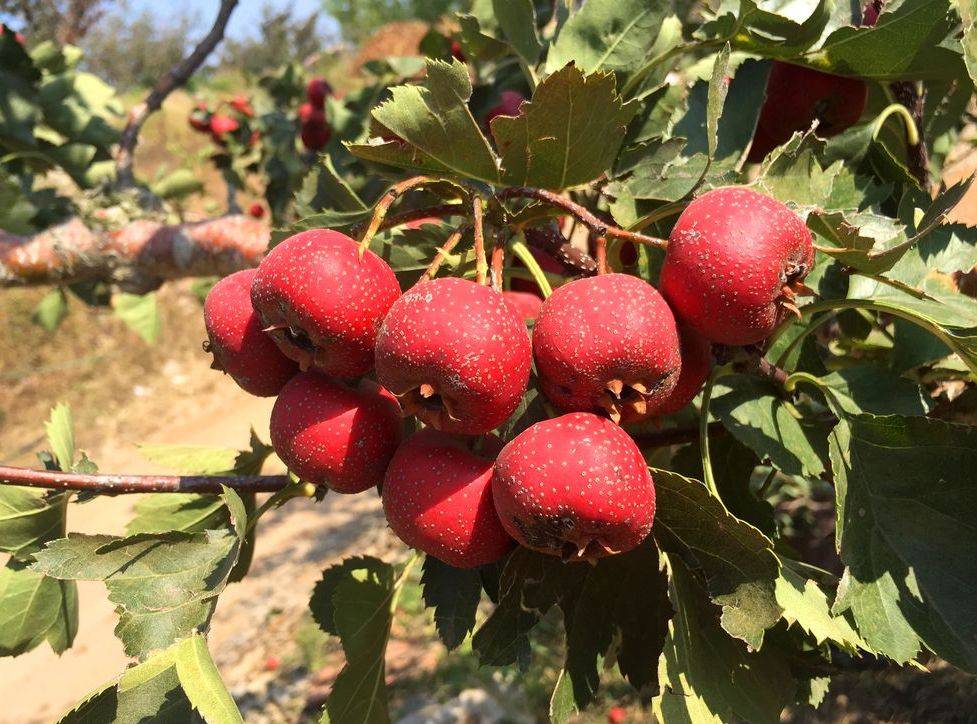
256,210
331,434
309,113
317,90
734,261
608,345
696,365
457,53
239,346
242,105
796,97
509,105
437,496
200,119
315,135
455,354
525,304
221,124
323,304
574,486
616,715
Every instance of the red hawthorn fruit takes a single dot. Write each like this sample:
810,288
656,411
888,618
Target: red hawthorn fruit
457,53
321,303
734,262
796,97
437,496
509,104
220,126
608,345
200,120
574,486
317,90
315,135
256,210
242,105
870,13
696,365
616,715
309,113
455,354
235,338
525,304
328,433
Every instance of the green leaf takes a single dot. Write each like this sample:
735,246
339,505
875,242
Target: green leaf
517,19
354,600
607,35
718,88
753,411
905,531
35,608
868,242
454,594
51,310
440,135
807,606
866,388
184,512
905,44
191,459
736,559
61,435
29,518
202,683
477,44
177,185
708,676
968,14
140,313
550,143
780,29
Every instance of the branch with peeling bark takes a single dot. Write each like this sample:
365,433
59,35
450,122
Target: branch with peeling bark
177,76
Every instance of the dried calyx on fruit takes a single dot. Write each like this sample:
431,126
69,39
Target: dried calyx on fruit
336,435
437,496
609,345
456,355
735,261
235,337
576,487
322,303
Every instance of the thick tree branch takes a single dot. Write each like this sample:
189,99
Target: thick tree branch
138,257
176,77
119,484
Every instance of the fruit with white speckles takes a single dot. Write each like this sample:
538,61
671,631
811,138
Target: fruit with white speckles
525,304
336,435
322,303
734,264
696,365
574,486
455,354
608,345
437,496
235,338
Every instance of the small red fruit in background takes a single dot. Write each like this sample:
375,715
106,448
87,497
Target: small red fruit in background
242,105
574,486
457,53
316,91
200,118
696,365
240,347
455,354
272,663
437,496
322,302
256,210
796,97
332,434
608,345
734,262
220,126
315,131
509,105
616,715
525,304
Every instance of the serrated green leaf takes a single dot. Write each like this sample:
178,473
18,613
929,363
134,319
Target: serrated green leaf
550,143
607,35
184,512
517,20
736,559
202,683
753,411
968,15
868,242
905,499
454,594
866,388
140,313
29,518
51,310
61,435
807,606
35,608
191,459
718,88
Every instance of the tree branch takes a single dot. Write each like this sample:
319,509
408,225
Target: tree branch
138,257
122,484
913,97
177,76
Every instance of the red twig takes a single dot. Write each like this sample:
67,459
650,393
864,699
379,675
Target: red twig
118,484
176,77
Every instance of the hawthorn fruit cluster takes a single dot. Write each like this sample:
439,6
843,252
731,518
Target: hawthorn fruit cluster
319,314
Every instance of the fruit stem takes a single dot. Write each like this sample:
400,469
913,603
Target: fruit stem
600,244
481,262
498,261
450,243
404,217
596,226
384,204
522,251
912,133
707,476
